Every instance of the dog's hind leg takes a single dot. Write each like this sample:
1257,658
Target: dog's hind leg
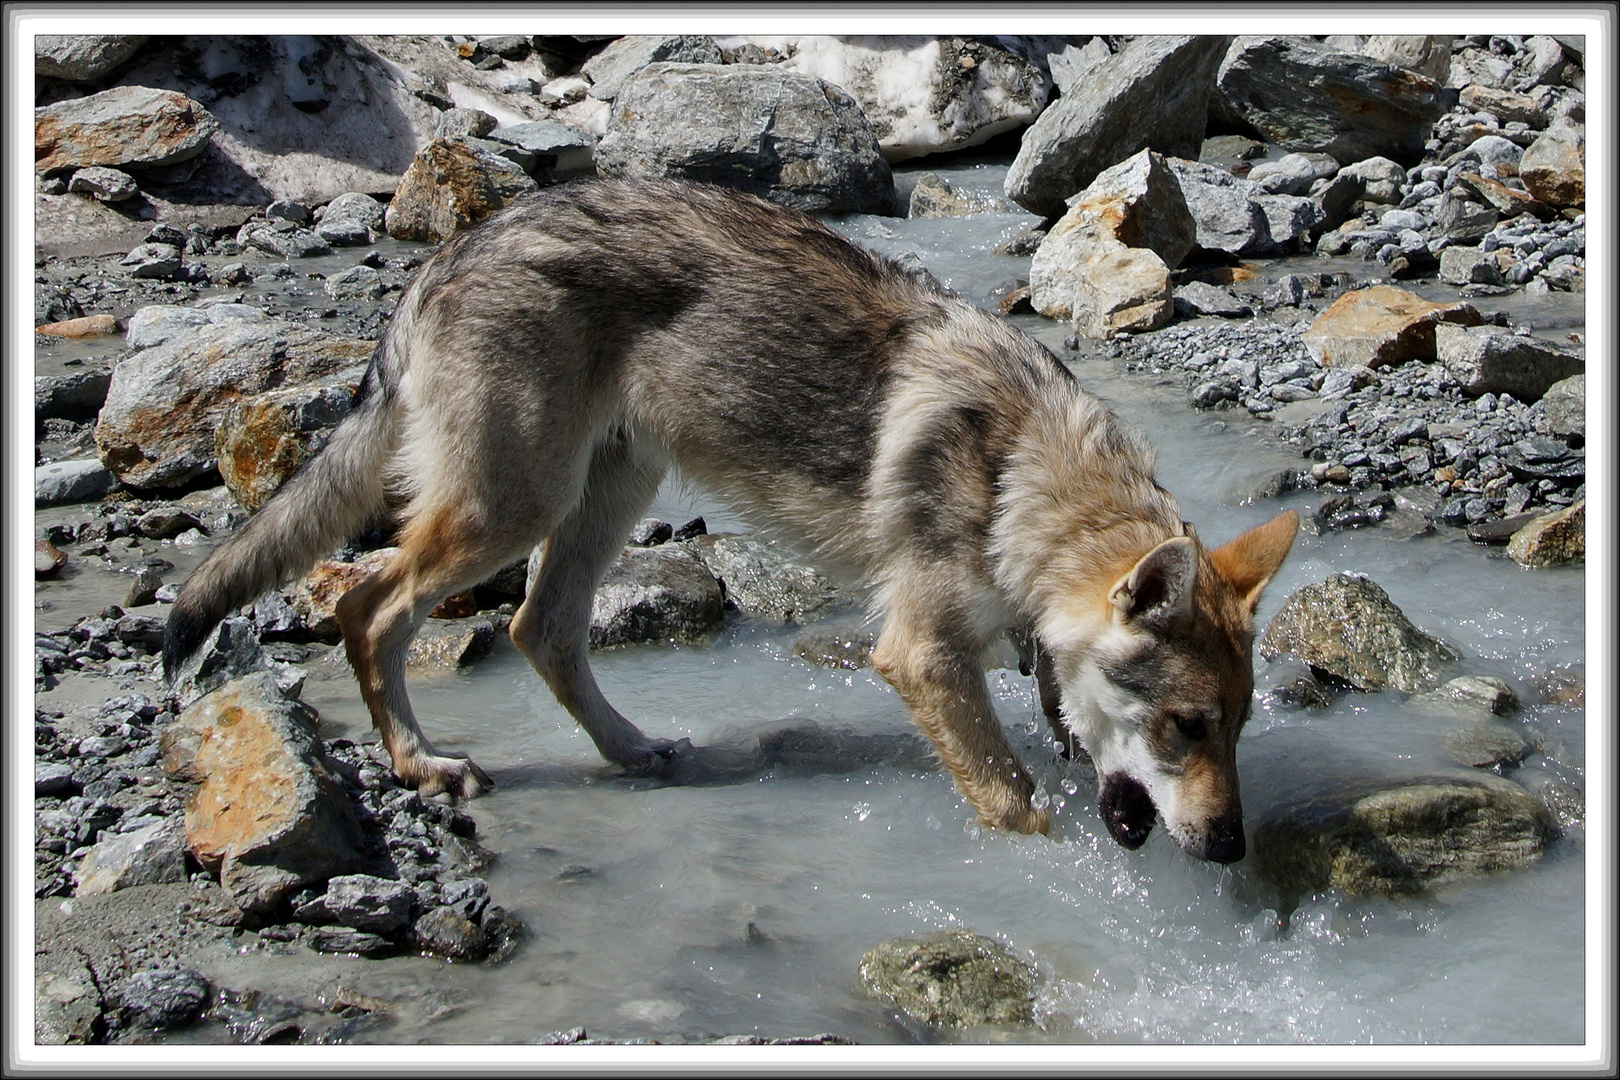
442,550
933,660
552,627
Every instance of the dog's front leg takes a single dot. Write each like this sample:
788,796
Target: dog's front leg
943,684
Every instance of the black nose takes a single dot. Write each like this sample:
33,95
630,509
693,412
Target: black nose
1224,841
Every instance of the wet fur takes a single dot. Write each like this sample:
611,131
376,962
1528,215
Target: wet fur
543,370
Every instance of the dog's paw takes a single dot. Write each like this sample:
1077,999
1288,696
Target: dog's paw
653,758
1025,820
460,777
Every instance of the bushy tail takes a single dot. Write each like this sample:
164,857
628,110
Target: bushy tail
327,502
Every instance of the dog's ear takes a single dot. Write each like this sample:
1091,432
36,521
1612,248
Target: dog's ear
1253,559
1159,589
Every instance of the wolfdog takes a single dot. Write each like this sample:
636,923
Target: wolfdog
542,371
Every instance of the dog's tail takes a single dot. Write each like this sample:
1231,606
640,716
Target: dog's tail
328,501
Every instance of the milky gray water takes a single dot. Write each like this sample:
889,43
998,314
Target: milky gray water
668,913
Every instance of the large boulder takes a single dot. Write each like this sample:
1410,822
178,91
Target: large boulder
1551,540
1401,836
1554,167
261,442
1491,360
1381,325
615,65
659,593
1308,98
765,581
452,185
925,95
124,126
267,811
1348,629
164,403
1238,216
1135,204
83,57
1427,54
951,978
790,138
1565,406
1126,290
1152,94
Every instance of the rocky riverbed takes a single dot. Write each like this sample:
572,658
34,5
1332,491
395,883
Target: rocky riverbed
1389,309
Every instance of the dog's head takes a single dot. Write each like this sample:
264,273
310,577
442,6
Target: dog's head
1159,694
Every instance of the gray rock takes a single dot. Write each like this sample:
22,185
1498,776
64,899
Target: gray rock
1554,167
144,587
1401,837
107,185
268,813
1293,174
67,1006
1491,360
454,123
164,999
1462,219
951,979
560,150
52,779
1469,266
655,594
71,482
166,522
1307,98
356,283
287,210
153,855
1472,696
157,323
157,427
1488,745
372,904
345,940
789,138
935,197
77,396
159,261
344,233
451,643
836,646
650,532
83,57
1565,405
1551,540
1223,206
356,207
617,64
1428,55
446,932
765,581
1201,298
282,238
231,652
1348,628
123,126
1151,95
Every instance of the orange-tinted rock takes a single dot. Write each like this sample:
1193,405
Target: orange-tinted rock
1552,540
48,558
315,598
1554,167
88,326
267,813
127,125
1381,325
450,186
260,443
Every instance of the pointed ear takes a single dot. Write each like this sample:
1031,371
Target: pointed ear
1251,560
1159,589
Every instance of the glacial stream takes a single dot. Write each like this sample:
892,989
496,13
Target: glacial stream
674,912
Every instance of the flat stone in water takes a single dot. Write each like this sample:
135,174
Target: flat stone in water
1488,745
951,978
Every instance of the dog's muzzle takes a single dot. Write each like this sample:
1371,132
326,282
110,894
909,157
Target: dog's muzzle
1127,810
1223,843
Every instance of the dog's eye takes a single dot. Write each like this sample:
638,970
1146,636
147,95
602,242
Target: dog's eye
1191,725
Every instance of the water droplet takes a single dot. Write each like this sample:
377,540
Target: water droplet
1069,786
972,829
1040,800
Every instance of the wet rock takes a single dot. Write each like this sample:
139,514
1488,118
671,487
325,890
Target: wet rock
1565,407
1554,167
655,594
444,931
1488,745
85,326
166,522
126,125
927,94
48,559
1381,325
148,856
160,261
951,978
764,581
789,138
615,65
351,208
375,905
1566,803
935,197
83,57
72,482
1553,540
76,396
268,814
260,443
107,185
1152,94
164,999
1307,98
164,404
344,940
1491,360
315,598
143,588
1135,204
452,185
650,532
836,646
1348,628
451,643
1402,837
356,283
1470,695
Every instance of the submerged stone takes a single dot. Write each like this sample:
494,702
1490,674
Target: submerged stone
1348,628
951,978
